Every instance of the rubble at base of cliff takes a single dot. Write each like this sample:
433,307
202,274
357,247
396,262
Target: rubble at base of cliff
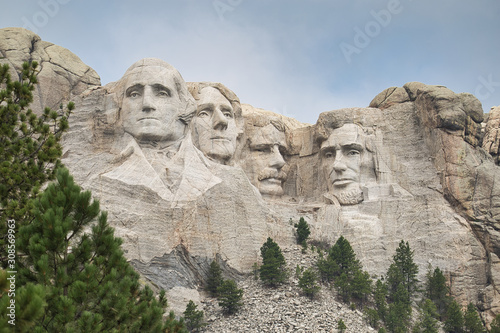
284,309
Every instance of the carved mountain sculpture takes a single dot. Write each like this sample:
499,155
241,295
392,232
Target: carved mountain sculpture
188,174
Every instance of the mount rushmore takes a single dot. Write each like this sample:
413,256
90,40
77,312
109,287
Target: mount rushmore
189,174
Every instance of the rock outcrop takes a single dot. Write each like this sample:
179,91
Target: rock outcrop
188,174
62,74
491,141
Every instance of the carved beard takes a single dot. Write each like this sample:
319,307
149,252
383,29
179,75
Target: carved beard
349,197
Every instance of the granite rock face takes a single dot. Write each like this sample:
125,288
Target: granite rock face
188,175
491,141
61,73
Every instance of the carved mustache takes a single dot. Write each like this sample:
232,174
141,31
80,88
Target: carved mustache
266,174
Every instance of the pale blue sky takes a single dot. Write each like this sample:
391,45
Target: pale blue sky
294,57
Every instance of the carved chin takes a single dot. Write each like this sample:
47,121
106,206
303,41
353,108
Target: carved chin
221,156
349,197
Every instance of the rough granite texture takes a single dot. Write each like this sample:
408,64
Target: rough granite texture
62,74
426,172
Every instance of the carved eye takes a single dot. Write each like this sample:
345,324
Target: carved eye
203,114
263,149
134,94
353,153
329,154
164,93
227,113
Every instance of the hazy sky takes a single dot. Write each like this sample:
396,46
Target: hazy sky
295,57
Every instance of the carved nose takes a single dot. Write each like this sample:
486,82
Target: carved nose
338,164
219,121
277,160
148,102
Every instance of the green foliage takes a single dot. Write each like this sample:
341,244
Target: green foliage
454,318
173,325
403,271
29,147
342,267
304,247
437,290
472,322
230,296
495,325
29,307
361,285
255,269
427,321
308,282
298,271
380,298
302,230
399,311
341,326
214,278
382,330
372,317
193,317
273,268
71,252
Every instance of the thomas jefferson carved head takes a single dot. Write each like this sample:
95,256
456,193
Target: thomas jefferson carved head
155,102
214,127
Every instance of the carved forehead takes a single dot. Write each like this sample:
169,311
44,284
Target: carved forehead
347,135
212,95
195,89
150,62
150,75
267,135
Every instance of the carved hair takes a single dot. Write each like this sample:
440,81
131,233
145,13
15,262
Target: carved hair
180,85
196,87
262,120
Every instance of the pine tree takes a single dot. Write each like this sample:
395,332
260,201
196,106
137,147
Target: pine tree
302,229
403,271
380,297
454,318
230,296
29,147
193,317
427,321
399,311
342,267
308,283
29,305
361,285
70,250
437,291
173,325
214,278
273,268
372,317
343,255
402,283
472,322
